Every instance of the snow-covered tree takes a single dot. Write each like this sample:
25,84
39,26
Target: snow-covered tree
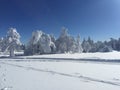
61,42
102,47
86,46
12,40
1,44
118,45
99,46
78,46
113,43
40,43
67,43
52,38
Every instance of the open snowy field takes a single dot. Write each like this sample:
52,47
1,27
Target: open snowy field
60,72
115,55
58,75
93,56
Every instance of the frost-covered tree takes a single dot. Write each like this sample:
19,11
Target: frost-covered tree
52,38
66,43
99,46
86,45
1,44
118,45
12,41
113,43
102,47
78,45
61,42
40,43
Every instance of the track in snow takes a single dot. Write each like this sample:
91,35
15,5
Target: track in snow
64,74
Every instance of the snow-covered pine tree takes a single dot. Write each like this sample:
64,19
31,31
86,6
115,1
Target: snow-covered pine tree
86,46
78,46
102,47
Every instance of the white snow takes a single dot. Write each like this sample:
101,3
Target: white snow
62,75
35,73
108,56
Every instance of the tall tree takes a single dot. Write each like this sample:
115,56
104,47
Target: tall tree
66,43
12,40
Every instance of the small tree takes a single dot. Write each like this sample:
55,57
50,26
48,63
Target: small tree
13,40
79,47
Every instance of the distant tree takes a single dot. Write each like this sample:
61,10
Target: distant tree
88,45
78,46
118,45
102,47
113,43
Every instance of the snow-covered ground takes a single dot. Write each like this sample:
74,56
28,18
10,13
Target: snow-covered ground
62,75
40,72
107,56
6,54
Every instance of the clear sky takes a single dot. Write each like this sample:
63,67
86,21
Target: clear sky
99,19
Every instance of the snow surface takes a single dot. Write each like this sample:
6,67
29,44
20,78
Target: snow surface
36,73
108,56
99,55
62,75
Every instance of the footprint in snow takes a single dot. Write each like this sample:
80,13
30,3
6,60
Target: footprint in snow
76,73
3,75
6,88
85,81
116,79
4,79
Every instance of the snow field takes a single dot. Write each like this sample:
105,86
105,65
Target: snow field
59,76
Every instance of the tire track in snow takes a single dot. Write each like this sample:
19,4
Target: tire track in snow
64,74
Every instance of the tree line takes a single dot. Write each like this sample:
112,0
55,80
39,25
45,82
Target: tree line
42,43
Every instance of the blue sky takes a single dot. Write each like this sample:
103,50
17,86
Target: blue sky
99,19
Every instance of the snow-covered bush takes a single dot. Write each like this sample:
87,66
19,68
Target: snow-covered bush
40,43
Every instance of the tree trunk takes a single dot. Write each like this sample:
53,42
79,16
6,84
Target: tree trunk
12,52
